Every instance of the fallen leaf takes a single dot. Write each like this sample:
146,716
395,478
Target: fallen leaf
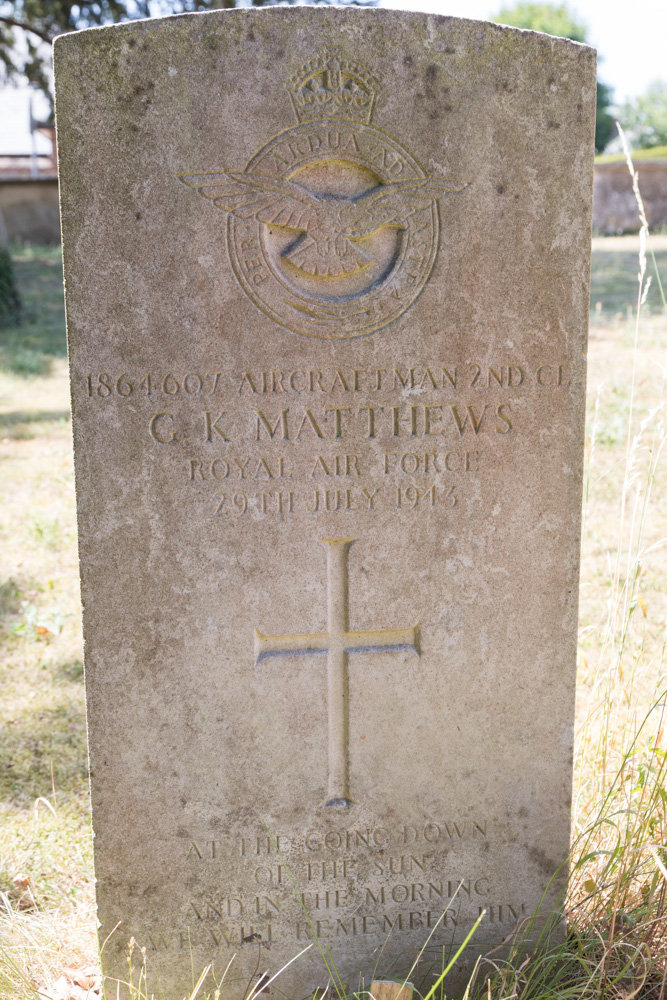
75,984
590,885
88,978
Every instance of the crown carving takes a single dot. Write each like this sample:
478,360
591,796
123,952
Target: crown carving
333,87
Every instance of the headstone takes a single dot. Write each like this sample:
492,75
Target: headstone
327,294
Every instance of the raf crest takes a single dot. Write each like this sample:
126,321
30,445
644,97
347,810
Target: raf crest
333,226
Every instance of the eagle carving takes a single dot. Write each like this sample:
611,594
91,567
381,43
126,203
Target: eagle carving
329,224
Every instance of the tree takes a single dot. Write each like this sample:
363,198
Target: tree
543,17
557,20
645,118
605,122
40,21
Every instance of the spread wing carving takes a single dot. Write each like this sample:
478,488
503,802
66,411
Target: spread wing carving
392,204
268,199
329,223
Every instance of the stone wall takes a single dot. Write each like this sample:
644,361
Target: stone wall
614,205
30,210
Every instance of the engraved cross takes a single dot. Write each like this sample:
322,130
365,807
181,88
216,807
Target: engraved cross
337,643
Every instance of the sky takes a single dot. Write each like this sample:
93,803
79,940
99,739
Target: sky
630,35
15,121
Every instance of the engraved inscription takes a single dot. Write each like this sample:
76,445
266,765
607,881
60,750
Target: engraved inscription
337,643
315,381
411,443
349,880
406,921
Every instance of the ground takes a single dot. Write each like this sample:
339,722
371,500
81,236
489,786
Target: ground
46,881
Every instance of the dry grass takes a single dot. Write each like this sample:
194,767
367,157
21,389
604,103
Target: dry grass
44,806
48,921
617,946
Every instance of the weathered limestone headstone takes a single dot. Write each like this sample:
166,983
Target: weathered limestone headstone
327,275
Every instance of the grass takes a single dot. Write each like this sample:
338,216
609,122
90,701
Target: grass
614,287
616,947
32,347
639,156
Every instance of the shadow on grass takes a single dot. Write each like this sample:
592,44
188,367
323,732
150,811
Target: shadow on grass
69,673
614,280
9,420
24,424
10,598
43,727
41,749
30,347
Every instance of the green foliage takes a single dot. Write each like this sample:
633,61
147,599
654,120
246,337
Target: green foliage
645,118
543,17
605,122
10,301
558,20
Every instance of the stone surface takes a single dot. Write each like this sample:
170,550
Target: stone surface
326,276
